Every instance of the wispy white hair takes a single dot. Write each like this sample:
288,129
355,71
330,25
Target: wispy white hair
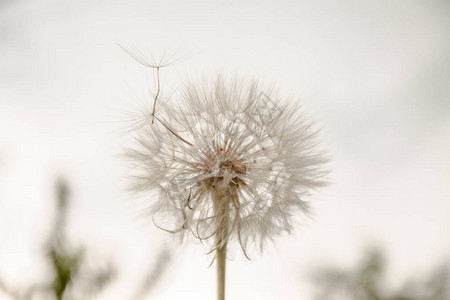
230,161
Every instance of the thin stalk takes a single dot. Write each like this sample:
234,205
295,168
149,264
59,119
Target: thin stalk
158,90
172,132
157,93
221,261
221,204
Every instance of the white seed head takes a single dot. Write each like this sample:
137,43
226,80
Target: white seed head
229,162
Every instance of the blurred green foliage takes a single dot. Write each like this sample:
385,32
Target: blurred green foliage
72,277
66,266
366,282
66,261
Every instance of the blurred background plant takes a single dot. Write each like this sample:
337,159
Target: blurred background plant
366,281
73,278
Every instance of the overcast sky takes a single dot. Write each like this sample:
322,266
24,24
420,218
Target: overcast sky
375,74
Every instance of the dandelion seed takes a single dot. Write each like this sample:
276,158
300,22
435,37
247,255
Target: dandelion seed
231,163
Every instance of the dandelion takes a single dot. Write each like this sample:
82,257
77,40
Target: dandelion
231,162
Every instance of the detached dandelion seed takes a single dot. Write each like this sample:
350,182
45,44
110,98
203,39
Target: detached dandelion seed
231,162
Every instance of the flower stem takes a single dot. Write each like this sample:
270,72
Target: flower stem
221,207
221,261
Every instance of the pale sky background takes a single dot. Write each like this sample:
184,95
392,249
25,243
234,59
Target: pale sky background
376,74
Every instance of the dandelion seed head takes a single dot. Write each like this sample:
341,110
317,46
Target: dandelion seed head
229,160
